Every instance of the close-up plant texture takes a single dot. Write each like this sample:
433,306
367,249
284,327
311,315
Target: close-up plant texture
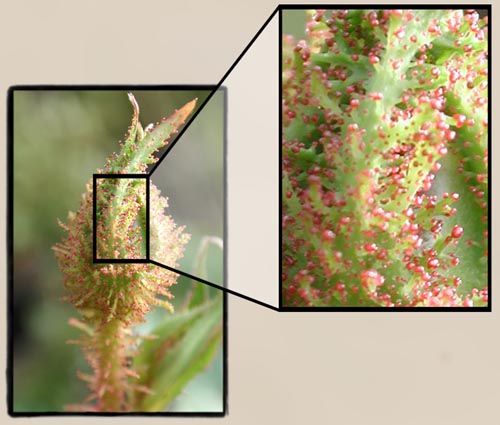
138,358
385,160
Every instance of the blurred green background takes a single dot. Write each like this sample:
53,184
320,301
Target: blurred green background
294,23
61,137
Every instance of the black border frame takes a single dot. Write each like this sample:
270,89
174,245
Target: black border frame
10,242
283,308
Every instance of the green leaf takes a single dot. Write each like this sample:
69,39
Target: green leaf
199,292
138,149
155,139
186,344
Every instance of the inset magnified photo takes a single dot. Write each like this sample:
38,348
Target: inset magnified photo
385,169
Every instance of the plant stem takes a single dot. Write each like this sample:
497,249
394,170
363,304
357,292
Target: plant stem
111,367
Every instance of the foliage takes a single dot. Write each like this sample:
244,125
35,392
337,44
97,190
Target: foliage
385,159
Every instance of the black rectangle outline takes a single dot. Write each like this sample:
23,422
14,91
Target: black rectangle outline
10,257
94,219
10,249
112,87
347,309
280,156
148,222
225,203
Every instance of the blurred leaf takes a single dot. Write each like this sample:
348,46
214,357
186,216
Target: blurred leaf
152,139
199,293
186,344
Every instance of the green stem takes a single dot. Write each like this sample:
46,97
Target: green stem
110,368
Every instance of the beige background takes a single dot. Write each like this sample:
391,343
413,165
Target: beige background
252,100
355,368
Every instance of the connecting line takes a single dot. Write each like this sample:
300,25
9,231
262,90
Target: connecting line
217,87
213,285
149,174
